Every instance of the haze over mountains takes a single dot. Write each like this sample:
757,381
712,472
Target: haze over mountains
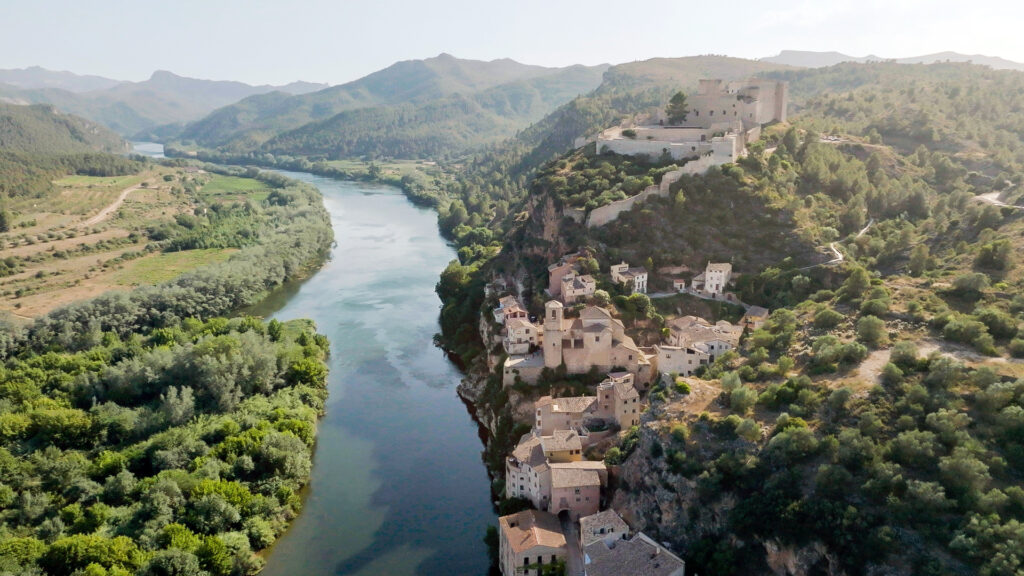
466,102
131,107
810,59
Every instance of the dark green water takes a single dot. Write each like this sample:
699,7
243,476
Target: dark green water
398,485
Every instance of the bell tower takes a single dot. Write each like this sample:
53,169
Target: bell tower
553,315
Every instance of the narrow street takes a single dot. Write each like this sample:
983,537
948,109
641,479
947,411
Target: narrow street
574,563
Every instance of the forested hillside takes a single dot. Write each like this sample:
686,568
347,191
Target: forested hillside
871,426
41,129
417,96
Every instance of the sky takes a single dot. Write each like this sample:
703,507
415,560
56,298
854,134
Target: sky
335,41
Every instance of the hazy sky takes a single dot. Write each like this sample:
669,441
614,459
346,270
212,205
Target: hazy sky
261,41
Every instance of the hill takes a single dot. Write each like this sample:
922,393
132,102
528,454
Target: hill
810,59
414,83
872,425
35,77
131,107
41,129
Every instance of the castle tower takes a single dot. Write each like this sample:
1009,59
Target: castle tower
553,315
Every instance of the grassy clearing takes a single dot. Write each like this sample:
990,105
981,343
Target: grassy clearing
228,188
163,267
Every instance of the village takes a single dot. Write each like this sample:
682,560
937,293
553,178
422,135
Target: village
547,467
580,334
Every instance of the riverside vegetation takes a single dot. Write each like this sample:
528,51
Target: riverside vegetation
144,433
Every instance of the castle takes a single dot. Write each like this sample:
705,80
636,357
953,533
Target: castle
723,117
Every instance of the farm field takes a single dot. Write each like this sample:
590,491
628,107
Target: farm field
94,234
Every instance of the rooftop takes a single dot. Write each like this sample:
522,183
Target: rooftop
573,477
530,528
719,267
571,404
757,311
638,556
593,527
561,440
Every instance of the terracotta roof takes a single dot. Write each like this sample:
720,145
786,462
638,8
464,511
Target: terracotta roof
512,323
529,450
595,312
573,477
561,440
608,520
638,556
529,528
571,404
691,330
719,267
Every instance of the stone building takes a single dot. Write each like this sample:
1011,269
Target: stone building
566,264
520,335
549,472
576,287
694,342
754,318
594,340
528,540
617,403
634,279
606,526
637,556
716,278
508,308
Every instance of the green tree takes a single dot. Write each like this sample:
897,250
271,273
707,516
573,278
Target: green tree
871,331
918,260
676,109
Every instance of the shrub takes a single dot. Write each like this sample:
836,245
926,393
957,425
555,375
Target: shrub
871,331
1017,348
827,318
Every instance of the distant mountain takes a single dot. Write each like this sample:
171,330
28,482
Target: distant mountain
131,107
247,124
808,59
440,127
42,129
34,78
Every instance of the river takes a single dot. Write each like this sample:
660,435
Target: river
398,483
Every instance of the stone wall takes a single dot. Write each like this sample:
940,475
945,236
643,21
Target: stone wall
610,212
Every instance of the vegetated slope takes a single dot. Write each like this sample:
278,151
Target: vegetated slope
794,457
41,129
438,129
131,107
249,123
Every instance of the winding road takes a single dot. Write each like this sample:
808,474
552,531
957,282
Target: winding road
99,217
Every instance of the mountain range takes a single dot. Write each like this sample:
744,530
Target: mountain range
809,59
131,107
466,101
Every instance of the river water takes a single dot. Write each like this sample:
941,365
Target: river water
398,483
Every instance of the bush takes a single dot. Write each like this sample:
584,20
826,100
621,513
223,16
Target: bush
742,399
1017,348
827,318
871,331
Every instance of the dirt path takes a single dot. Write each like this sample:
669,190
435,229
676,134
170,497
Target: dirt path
113,206
993,198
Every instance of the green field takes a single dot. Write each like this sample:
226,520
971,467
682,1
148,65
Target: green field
115,181
167,266
220,188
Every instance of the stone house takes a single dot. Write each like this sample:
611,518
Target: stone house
556,272
508,307
716,278
633,278
695,342
680,360
679,284
540,463
594,340
520,335
576,287
606,526
562,413
528,540
617,402
637,556
575,490
754,318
